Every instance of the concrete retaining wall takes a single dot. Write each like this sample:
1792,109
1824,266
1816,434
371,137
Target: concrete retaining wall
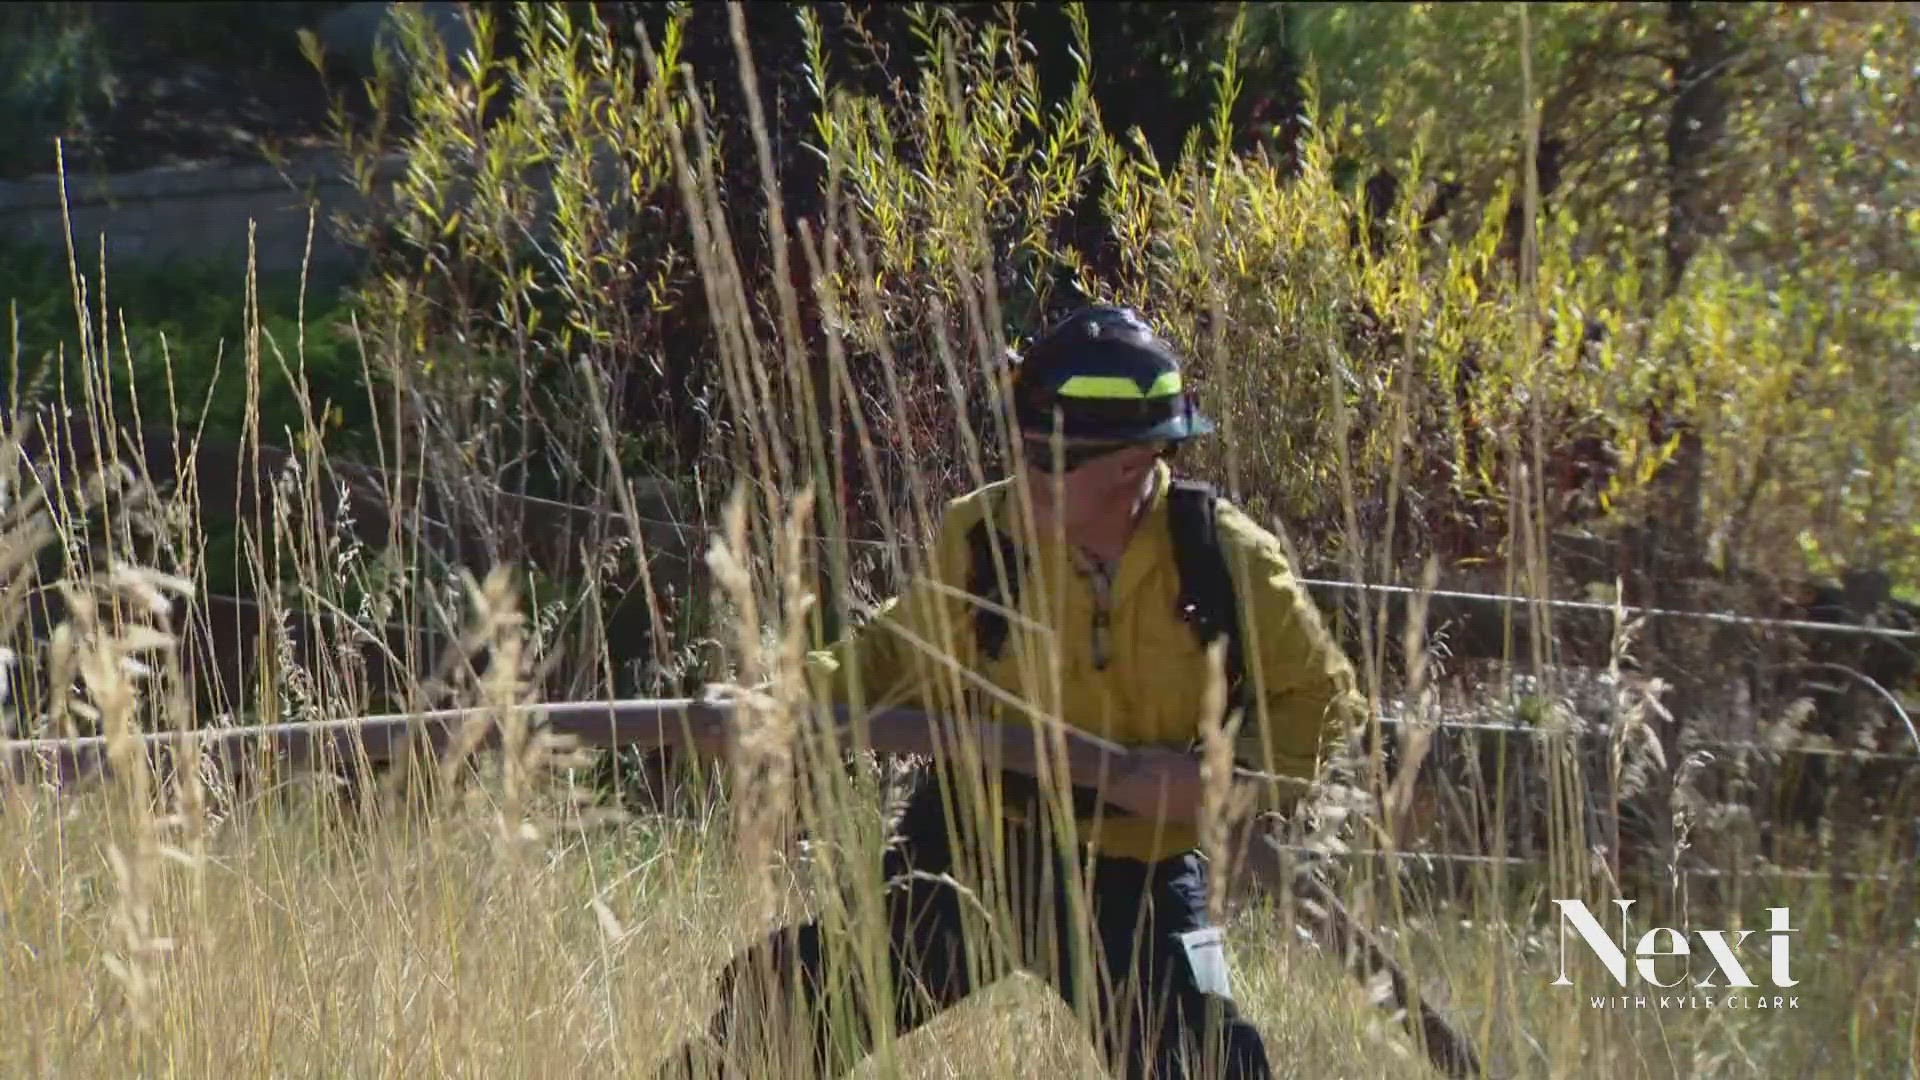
193,213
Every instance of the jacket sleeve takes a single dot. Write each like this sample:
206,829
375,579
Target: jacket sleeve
1302,686
897,657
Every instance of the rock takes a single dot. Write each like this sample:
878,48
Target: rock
350,35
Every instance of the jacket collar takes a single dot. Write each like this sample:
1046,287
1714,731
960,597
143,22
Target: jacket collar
1149,543
1151,540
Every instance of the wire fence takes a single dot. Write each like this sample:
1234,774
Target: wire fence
1451,726
1417,858
537,510
1596,607
1597,613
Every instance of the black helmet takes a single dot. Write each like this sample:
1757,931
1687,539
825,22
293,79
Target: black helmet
1109,377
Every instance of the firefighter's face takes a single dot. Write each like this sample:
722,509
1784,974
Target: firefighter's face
1100,479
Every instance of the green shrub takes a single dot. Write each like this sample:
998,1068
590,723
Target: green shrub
54,69
1459,391
175,341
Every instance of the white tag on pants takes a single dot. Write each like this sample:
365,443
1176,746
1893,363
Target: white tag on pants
1207,955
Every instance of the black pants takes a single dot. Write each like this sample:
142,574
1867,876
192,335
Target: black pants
1158,969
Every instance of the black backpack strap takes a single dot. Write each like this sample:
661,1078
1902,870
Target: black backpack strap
984,580
1207,598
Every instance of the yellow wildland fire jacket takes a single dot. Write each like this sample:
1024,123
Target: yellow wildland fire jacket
1148,687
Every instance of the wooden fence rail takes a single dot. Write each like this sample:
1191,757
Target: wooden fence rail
1873,785
692,724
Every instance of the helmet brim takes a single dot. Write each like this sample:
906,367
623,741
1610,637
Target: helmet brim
1191,425
1180,428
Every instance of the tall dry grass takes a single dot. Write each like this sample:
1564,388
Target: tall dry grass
484,917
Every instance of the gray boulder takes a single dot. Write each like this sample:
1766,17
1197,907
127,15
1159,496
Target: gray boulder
351,34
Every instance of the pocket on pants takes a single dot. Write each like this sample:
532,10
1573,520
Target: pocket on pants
1206,950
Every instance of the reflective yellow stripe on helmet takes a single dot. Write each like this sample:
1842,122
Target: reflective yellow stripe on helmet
1119,386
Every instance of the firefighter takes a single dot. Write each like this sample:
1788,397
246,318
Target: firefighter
1106,577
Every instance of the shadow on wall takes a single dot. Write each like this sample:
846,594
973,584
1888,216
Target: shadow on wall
194,111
